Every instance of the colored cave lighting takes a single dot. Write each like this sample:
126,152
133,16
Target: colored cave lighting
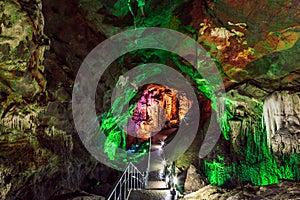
259,166
156,110
111,124
208,91
257,163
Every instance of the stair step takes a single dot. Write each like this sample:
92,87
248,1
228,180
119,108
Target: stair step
154,176
151,195
156,185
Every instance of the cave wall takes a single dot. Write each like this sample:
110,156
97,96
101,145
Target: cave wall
43,43
41,154
251,154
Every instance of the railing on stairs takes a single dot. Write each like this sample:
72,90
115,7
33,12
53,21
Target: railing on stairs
131,179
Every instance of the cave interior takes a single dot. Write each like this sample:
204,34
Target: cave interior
253,46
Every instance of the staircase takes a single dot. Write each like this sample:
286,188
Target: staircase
133,185
156,188
151,195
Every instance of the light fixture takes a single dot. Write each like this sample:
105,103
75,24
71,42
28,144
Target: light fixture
175,180
167,179
161,173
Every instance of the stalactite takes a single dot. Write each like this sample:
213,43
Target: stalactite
18,122
281,109
26,119
259,164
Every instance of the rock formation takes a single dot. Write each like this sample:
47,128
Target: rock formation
281,116
159,108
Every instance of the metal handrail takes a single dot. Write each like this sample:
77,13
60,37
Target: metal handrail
131,179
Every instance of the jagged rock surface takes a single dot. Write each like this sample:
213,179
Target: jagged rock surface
194,181
41,154
157,110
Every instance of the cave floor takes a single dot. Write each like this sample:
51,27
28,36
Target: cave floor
282,190
151,195
156,188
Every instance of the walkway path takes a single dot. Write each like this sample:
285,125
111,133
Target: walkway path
156,188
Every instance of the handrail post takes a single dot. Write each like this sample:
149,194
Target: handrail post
125,188
130,177
120,193
137,181
133,171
